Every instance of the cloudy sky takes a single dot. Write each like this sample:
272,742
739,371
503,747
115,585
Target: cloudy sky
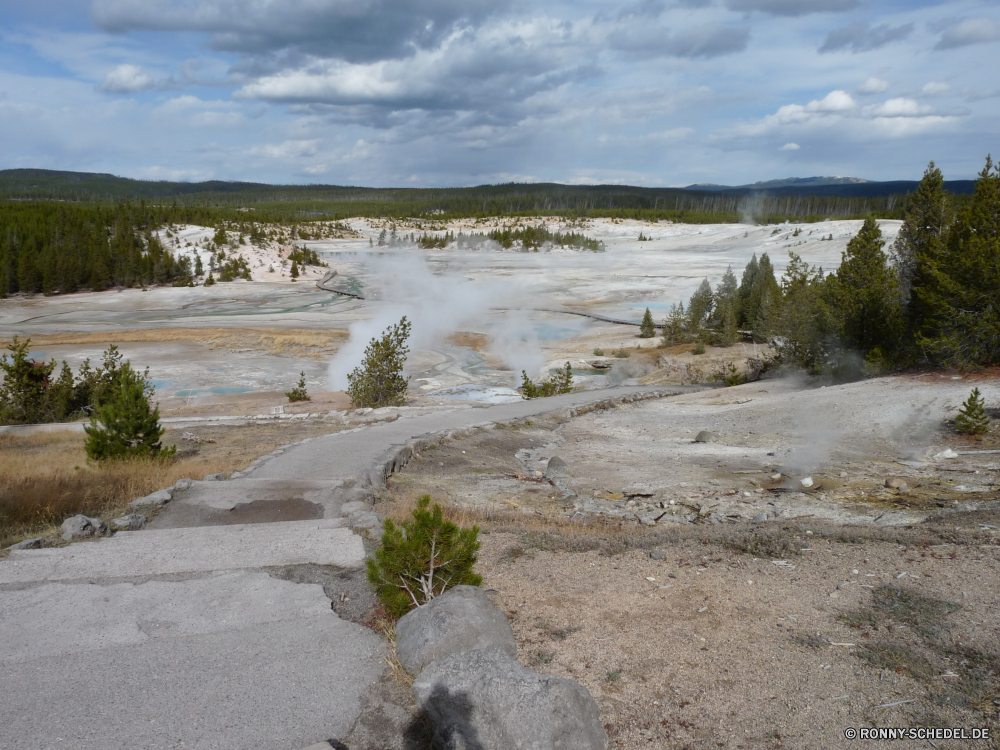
464,92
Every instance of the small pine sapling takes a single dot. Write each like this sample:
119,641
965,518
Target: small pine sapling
379,380
299,392
126,425
421,559
647,329
972,419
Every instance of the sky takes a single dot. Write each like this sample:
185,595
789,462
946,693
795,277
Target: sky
468,92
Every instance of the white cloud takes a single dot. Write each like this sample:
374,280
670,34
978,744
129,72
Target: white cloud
790,147
127,79
873,86
288,150
934,88
901,107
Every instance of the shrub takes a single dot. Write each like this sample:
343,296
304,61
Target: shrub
421,559
562,382
598,352
379,380
210,281
623,353
126,426
699,348
299,392
972,419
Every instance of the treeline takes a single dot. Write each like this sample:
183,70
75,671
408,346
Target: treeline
933,298
312,202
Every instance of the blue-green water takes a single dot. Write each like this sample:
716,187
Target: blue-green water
219,389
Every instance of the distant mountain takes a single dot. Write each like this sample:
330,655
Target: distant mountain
831,186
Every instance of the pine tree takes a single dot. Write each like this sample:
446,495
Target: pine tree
126,426
647,329
210,281
24,392
294,273
700,307
972,419
199,269
725,306
379,380
421,559
866,297
299,392
958,293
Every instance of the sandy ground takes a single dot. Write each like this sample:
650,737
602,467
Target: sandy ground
642,573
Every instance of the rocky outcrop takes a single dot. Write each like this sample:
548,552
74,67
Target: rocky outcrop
462,619
158,498
484,700
131,522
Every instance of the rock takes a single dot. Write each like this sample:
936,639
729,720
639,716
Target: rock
131,522
461,619
183,484
556,467
638,490
484,700
81,526
760,517
158,498
806,482
706,436
368,521
895,483
657,554
36,543
945,454
704,511
215,477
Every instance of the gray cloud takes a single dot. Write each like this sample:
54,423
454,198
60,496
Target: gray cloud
969,31
863,37
711,40
353,30
792,7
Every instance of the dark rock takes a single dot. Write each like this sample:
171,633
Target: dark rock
484,700
657,554
895,483
706,436
82,526
461,619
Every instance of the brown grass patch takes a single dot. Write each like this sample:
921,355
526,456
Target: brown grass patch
288,342
476,341
45,478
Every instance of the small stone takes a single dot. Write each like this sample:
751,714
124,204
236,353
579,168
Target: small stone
81,526
36,543
158,498
806,482
214,478
895,483
704,510
760,517
657,554
706,436
131,522
947,453
556,467
183,484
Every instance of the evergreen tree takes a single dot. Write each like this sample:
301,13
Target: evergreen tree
299,392
421,559
199,269
126,426
700,307
803,325
674,326
379,380
725,308
294,273
210,281
958,294
972,419
919,242
647,329
866,297
24,395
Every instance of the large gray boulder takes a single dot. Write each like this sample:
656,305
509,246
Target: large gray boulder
131,522
461,619
81,526
556,468
484,700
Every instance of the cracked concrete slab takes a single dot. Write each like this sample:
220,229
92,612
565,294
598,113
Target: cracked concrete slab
227,661
186,550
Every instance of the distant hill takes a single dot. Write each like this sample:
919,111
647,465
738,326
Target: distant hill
841,186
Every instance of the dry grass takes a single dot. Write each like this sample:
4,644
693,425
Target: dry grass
45,478
287,342
476,341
